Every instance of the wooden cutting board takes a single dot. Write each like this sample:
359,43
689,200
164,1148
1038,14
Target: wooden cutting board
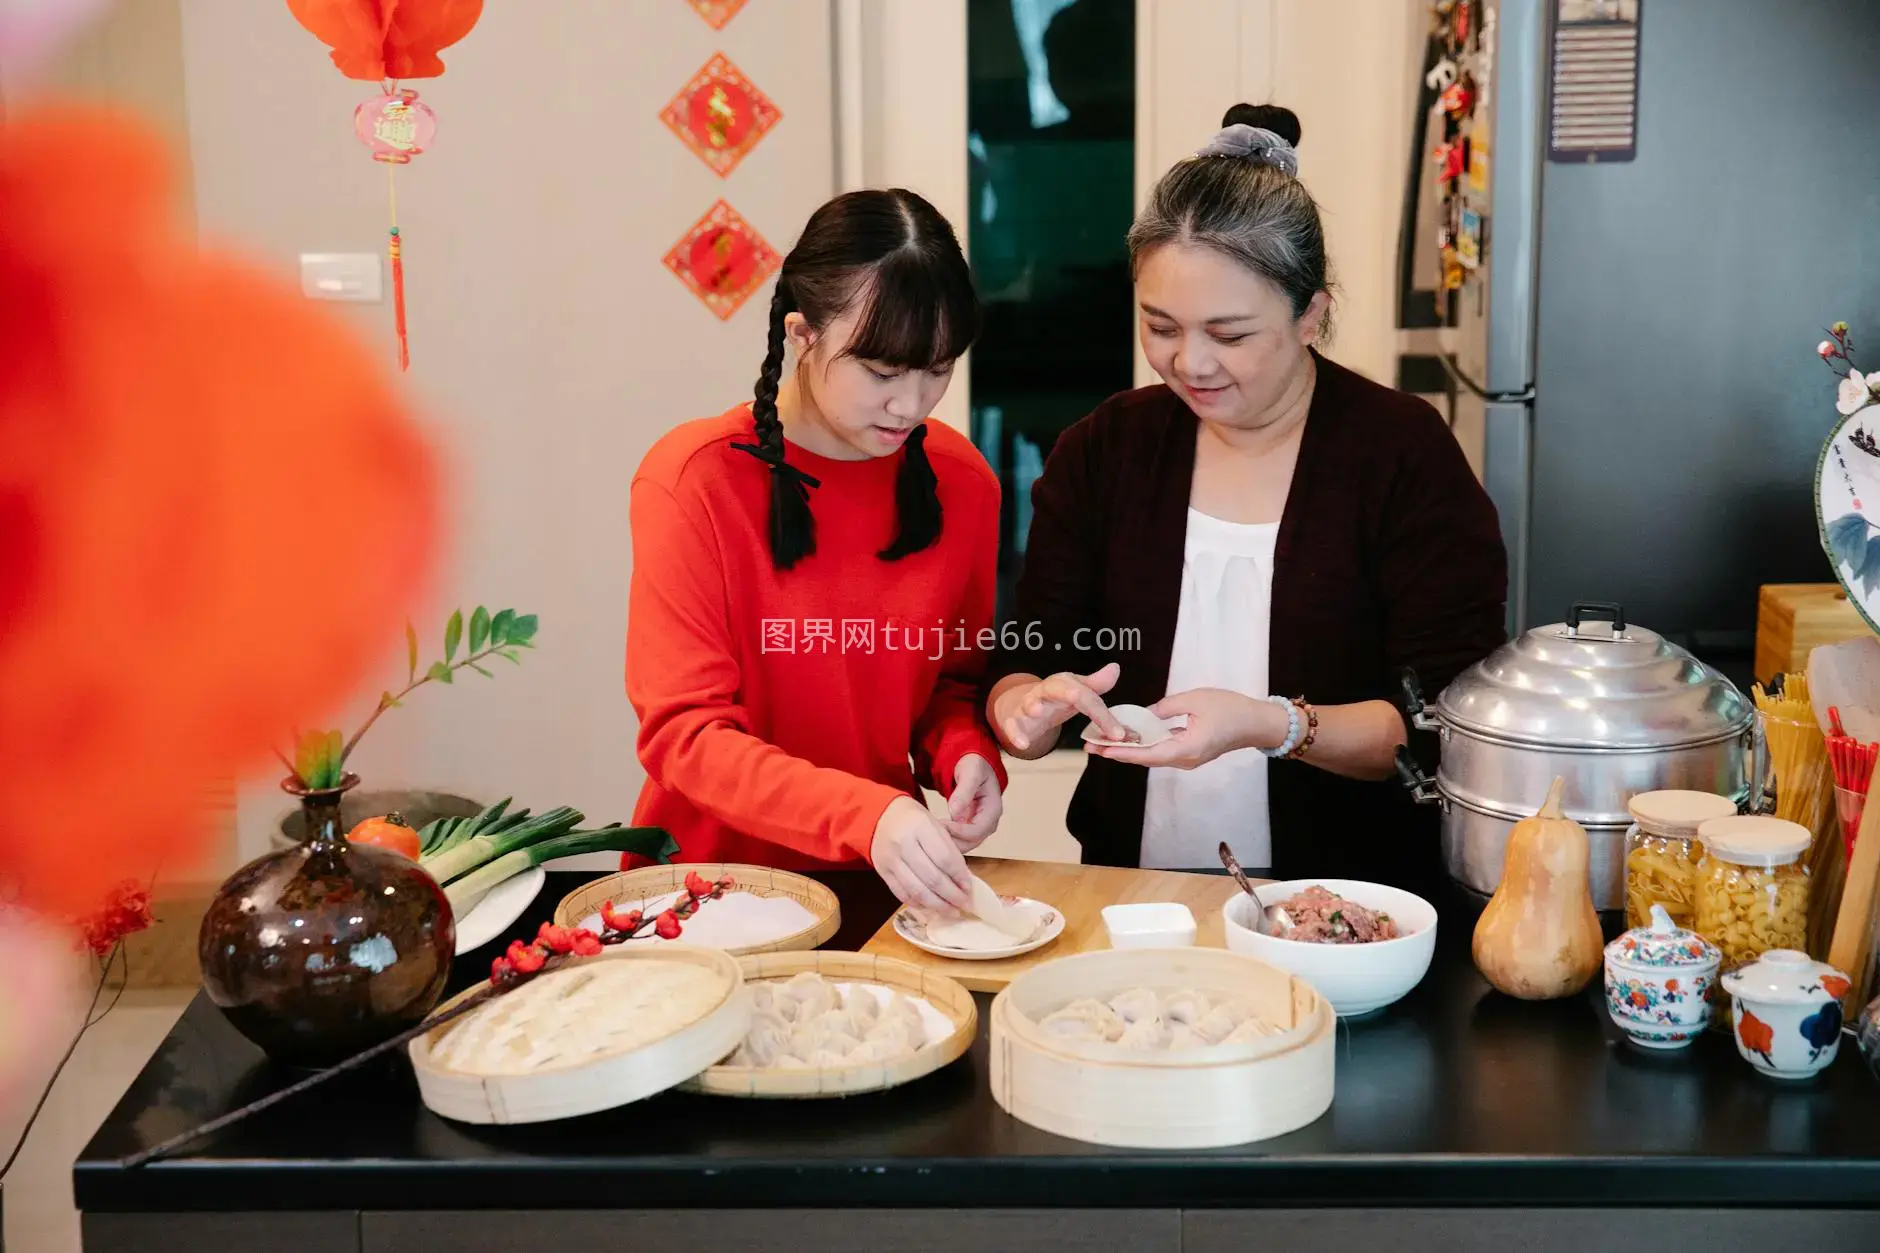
1079,893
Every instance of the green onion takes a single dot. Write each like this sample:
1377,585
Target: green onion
465,892
493,840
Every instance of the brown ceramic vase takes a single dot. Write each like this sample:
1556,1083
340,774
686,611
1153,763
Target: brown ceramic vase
327,948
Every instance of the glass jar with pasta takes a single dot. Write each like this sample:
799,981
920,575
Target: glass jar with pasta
1662,851
1752,887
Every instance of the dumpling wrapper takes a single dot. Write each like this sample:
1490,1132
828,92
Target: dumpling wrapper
969,934
1148,727
1016,923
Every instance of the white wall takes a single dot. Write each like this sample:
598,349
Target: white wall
550,346
1342,67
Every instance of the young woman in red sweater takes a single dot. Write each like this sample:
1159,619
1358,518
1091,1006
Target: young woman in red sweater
813,572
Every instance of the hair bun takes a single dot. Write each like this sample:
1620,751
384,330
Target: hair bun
1268,117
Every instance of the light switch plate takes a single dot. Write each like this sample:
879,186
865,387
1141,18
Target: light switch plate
341,276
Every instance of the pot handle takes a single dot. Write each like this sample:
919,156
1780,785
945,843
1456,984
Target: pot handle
1416,711
1761,796
1596,611
1423,789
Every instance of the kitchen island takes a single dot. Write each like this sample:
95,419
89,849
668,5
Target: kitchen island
1462,1120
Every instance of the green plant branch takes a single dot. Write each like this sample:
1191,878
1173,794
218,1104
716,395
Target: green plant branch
501,635
389,700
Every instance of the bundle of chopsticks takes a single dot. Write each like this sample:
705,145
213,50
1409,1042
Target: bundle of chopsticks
1853,764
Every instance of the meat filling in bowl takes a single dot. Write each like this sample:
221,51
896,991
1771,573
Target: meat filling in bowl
1316,916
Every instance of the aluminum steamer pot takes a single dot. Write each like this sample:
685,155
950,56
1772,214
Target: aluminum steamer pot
1612,708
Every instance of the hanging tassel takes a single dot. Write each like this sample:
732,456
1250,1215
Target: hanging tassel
396,248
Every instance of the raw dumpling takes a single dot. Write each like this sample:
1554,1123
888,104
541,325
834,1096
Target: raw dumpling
847,1021
1218,1023
827,1059
1252,1029
1135,1004
900,1009
813,994
789,1061
894,1034
763,996
1182,1036
806,1041
1185,1006
861,1003
1084,1019
766,1041
877,1051
1147,1032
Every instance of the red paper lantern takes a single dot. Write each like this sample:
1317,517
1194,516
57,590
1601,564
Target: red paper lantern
377,40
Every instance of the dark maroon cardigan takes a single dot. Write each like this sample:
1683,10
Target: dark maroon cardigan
1389,555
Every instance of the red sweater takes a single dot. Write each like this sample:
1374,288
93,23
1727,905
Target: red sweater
779,710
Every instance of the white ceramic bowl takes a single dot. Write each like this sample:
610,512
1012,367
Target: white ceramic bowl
1150,924
1355,978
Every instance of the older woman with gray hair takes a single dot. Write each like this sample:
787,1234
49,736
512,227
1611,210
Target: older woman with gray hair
1272,536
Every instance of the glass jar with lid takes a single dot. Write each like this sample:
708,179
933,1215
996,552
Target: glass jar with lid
1753,887
1662,852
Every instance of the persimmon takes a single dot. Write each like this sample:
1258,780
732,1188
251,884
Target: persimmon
390,831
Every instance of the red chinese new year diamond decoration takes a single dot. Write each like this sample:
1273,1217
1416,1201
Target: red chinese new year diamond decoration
720,115
716,12
723,260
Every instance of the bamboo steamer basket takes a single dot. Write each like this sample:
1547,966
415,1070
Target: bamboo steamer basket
1210,1097
649,882
606,1081
941,992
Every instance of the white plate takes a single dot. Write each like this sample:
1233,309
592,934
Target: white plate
1152,729
1846,474
914,931
489,917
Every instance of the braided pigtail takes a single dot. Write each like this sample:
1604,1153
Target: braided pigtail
916,500
792,527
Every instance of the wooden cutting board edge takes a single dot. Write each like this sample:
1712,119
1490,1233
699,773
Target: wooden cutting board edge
1079,893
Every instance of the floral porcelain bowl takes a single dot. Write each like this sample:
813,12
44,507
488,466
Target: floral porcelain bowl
1658,981
1787,1013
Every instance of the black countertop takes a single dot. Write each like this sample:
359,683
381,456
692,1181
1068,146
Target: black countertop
1456,1096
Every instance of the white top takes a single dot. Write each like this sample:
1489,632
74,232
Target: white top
1221,640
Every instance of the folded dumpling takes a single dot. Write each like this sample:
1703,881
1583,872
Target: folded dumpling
1218,1023
1136,1004
1147,1032
902,1010
1182,1036
1084,1019
1253,1029
863,1006
813,994
1184,1006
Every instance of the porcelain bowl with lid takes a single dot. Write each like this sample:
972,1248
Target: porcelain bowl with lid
1610,707
1786,1010
1658,981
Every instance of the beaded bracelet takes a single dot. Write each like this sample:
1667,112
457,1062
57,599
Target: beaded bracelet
1312,727
1295,728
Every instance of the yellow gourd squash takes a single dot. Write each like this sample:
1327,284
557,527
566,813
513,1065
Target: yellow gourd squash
1539,937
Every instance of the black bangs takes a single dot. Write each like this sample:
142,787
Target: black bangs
919,310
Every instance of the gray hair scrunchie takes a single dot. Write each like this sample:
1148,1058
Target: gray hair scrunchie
1254,143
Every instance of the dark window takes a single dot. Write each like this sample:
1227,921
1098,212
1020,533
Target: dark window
1051,120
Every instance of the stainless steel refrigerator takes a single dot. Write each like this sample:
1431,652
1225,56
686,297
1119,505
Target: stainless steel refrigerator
1631,352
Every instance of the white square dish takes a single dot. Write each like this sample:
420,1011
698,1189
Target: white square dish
1150,924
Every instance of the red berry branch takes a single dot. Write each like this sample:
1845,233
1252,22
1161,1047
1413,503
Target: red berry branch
552,948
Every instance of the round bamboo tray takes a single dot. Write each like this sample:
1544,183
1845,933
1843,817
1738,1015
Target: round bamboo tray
603,1083
649,882
1210,1097
943,993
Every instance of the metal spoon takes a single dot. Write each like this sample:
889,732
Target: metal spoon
1276,916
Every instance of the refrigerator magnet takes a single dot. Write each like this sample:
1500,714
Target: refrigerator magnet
1469,240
